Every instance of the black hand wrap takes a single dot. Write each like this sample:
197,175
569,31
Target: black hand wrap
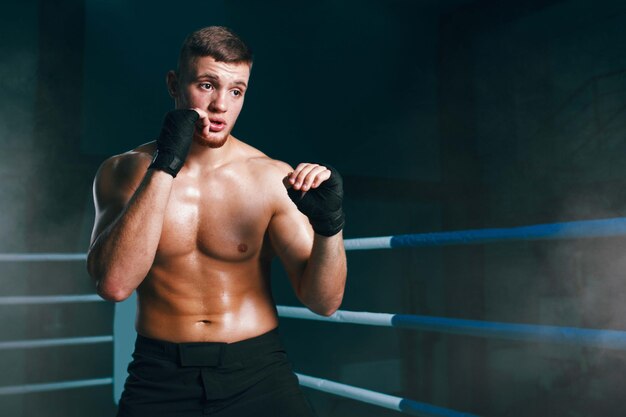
322,205
174,141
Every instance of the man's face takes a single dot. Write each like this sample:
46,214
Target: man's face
215,88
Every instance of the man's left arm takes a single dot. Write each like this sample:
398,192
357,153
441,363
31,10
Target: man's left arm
307,235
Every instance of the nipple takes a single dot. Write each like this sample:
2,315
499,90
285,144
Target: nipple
243,248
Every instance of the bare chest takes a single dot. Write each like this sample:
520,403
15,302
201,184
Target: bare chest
223,219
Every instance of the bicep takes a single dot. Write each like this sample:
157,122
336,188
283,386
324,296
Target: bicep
113,187
291,237
106,213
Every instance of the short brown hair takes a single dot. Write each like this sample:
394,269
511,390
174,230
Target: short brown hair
218,42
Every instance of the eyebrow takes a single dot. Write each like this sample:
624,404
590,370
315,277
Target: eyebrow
216,79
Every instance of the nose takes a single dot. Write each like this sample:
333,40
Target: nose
218,103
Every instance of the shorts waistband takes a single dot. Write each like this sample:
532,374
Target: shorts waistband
211,354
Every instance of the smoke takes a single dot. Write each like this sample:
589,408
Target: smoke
575,283
17,82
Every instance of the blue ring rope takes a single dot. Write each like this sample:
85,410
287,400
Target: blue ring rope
610,339
566,230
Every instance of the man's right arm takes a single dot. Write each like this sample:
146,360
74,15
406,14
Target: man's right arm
131,192
130,203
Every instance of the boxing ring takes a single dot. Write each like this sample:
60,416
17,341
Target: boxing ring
124,335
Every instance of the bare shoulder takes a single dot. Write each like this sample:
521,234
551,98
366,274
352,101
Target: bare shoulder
261,166
125,165
129,161
267,169
123,172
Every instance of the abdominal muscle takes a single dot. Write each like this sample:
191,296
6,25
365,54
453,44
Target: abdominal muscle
197,299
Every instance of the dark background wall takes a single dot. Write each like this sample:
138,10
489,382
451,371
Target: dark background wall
442,115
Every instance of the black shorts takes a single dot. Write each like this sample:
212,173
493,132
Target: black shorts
248,378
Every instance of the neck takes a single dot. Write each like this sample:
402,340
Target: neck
203,157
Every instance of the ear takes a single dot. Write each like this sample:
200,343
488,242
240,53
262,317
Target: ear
172,84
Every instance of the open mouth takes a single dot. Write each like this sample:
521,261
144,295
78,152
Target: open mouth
217,125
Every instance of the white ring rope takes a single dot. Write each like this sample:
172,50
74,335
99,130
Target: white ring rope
42,257
340,316
54,386
367,243
348,391
69,341
50,299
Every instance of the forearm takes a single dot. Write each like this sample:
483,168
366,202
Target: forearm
123,253
324,278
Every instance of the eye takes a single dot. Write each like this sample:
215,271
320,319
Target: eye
237,93
206,86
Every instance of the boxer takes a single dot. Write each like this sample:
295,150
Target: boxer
191,222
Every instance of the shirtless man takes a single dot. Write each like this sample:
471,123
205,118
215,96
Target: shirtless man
192,222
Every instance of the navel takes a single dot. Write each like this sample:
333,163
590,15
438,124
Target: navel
243,248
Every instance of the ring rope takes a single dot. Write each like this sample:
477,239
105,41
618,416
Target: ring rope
550,231
567,230
69,341
42,257
53,386
404,405
50,299
611,339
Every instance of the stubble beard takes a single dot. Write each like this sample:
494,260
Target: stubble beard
211,143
